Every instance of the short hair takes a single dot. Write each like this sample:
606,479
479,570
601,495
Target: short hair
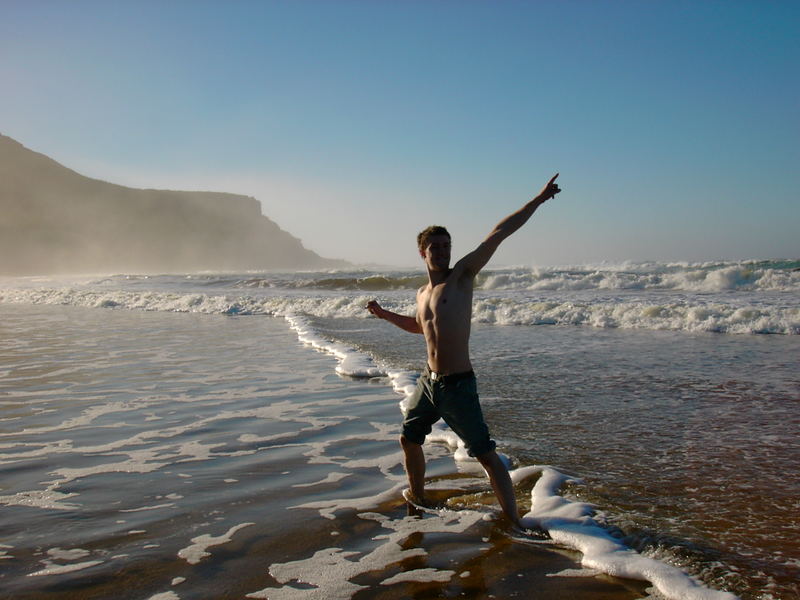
422,236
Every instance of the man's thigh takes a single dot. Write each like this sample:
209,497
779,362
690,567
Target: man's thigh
461,410
420,414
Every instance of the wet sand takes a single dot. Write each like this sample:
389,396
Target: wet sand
152,455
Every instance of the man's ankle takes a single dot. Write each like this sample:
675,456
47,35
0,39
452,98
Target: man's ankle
413,498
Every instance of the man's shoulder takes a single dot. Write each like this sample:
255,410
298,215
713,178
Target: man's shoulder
473,263
461,272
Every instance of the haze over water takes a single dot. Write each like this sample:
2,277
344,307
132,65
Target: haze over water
357,124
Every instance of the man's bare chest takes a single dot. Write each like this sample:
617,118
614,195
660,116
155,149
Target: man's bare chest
444,302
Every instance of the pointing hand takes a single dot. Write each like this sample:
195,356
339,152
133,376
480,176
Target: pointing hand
549,190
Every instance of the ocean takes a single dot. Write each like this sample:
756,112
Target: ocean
228,435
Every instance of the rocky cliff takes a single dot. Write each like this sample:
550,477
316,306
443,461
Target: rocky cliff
54,220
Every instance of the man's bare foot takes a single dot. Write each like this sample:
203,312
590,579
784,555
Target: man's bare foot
426,504
530,528
415,500
414,506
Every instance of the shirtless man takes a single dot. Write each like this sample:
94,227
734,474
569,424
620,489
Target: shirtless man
447,387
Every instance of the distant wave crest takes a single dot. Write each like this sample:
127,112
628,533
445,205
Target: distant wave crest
370,282
709,277
690,277
692,316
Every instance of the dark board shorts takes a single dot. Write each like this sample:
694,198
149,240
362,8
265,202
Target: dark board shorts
453,398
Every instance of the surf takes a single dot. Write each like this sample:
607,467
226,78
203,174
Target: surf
568,523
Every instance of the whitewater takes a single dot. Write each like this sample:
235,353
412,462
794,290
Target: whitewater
649,422
755,297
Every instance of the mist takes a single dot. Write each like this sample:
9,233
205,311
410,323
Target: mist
56,221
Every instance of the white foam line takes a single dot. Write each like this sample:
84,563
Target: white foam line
196,552
47,499
576,573
144,508
570,524
351,362
134,465
85,418
52,568
61,554
329,508
165,596
44,448
385,464
331,478
331,570
420,576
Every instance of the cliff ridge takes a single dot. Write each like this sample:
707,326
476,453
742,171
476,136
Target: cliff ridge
57,221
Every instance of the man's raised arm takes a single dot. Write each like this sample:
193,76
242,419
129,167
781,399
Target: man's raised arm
477,259
409,324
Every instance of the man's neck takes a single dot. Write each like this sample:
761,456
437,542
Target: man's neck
437,277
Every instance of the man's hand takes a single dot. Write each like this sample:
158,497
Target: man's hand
403,322
473,262
549,190
375,308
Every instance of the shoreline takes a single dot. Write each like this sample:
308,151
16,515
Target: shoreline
223,473
367,429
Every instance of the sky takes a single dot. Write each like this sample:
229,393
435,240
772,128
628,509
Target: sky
674,125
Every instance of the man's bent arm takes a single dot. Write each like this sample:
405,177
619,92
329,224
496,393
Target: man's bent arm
409,324
477,259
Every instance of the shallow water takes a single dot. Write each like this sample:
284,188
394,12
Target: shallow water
687,442
162,455
125,435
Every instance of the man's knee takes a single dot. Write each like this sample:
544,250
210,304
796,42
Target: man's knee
485,457
490,460
481,447
408,444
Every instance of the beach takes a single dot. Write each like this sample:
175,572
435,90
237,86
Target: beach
184,437
189,479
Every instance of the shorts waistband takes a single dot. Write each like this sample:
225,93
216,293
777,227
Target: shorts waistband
452,378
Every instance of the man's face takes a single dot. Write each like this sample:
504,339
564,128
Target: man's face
436,253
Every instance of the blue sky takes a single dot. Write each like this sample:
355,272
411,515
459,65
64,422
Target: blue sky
675,125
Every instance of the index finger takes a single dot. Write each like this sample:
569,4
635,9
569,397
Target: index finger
553,179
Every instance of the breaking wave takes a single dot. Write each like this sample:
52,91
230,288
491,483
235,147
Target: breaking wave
713,277
773,276
694,315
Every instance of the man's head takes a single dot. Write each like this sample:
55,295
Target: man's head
434,247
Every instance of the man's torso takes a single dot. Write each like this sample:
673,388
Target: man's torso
444,312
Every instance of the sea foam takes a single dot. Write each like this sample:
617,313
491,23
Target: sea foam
774,275
351,362
698,314
706,278
569,523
